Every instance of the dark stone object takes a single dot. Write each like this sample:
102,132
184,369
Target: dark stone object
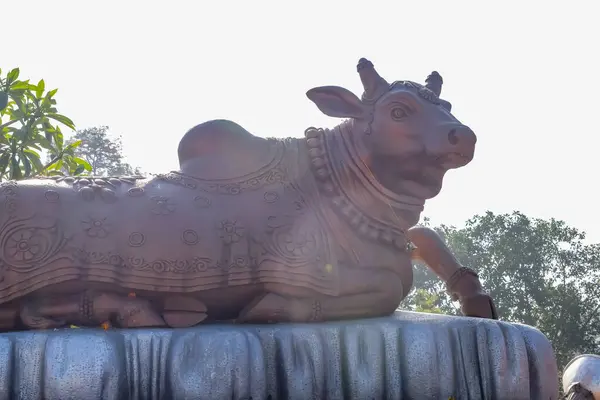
404,356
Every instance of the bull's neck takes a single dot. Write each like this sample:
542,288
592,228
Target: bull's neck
347,181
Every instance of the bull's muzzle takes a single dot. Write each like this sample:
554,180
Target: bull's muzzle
460,147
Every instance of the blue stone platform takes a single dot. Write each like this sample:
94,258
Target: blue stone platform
404,356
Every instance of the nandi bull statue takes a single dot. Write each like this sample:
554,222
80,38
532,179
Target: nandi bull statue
250,229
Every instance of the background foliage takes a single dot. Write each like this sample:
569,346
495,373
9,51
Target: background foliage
539,272
30,125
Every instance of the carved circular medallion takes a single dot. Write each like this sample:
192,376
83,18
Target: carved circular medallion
271,197
25,246
189,237
202,202
136,239
51,196
135,192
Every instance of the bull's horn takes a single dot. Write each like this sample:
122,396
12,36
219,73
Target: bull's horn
373,84
434,83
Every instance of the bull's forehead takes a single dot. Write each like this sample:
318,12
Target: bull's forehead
422,91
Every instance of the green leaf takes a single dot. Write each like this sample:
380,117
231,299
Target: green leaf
45,104
62,119
26,164
15,169
4,160
39,91
43,142
75,144
55,172
59,140
81,161
80,168
19,102
51,94
34,158
3,100
22,85
13,75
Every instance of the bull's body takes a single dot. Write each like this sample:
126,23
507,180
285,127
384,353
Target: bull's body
258,230
218,240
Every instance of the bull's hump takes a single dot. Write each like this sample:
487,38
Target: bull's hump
221,149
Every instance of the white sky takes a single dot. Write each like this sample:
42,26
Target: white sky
523,75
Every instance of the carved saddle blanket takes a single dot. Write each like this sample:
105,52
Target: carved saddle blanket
172,233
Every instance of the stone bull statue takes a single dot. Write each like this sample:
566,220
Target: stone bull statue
251,229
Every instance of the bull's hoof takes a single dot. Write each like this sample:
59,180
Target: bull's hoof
183,311
183,319
272,308
32,319
138,313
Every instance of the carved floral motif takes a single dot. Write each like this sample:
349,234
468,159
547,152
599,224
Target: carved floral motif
96,227
230,231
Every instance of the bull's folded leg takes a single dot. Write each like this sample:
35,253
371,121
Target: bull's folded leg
129,312
89,308
33,316
367,293
8,317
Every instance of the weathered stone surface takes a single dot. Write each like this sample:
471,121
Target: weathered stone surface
408,355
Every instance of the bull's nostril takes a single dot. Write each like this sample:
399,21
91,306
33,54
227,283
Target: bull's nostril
452,138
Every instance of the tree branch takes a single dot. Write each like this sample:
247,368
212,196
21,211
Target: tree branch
48,164
9,123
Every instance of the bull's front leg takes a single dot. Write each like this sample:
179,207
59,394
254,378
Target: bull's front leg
365,292
462,283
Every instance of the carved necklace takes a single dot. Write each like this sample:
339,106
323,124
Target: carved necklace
340,173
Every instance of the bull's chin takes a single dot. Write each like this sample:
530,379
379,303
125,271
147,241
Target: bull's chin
419,190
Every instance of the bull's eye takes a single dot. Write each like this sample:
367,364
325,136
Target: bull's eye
399,113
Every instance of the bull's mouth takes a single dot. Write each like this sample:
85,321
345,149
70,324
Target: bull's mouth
419,177
453,160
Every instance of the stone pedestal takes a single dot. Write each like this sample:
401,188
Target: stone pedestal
405,356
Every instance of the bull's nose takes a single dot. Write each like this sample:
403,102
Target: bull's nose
462,139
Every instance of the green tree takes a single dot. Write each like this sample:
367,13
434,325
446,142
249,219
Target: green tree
539,272
30,126
104,154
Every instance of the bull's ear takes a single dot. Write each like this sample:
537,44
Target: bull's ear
337,102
